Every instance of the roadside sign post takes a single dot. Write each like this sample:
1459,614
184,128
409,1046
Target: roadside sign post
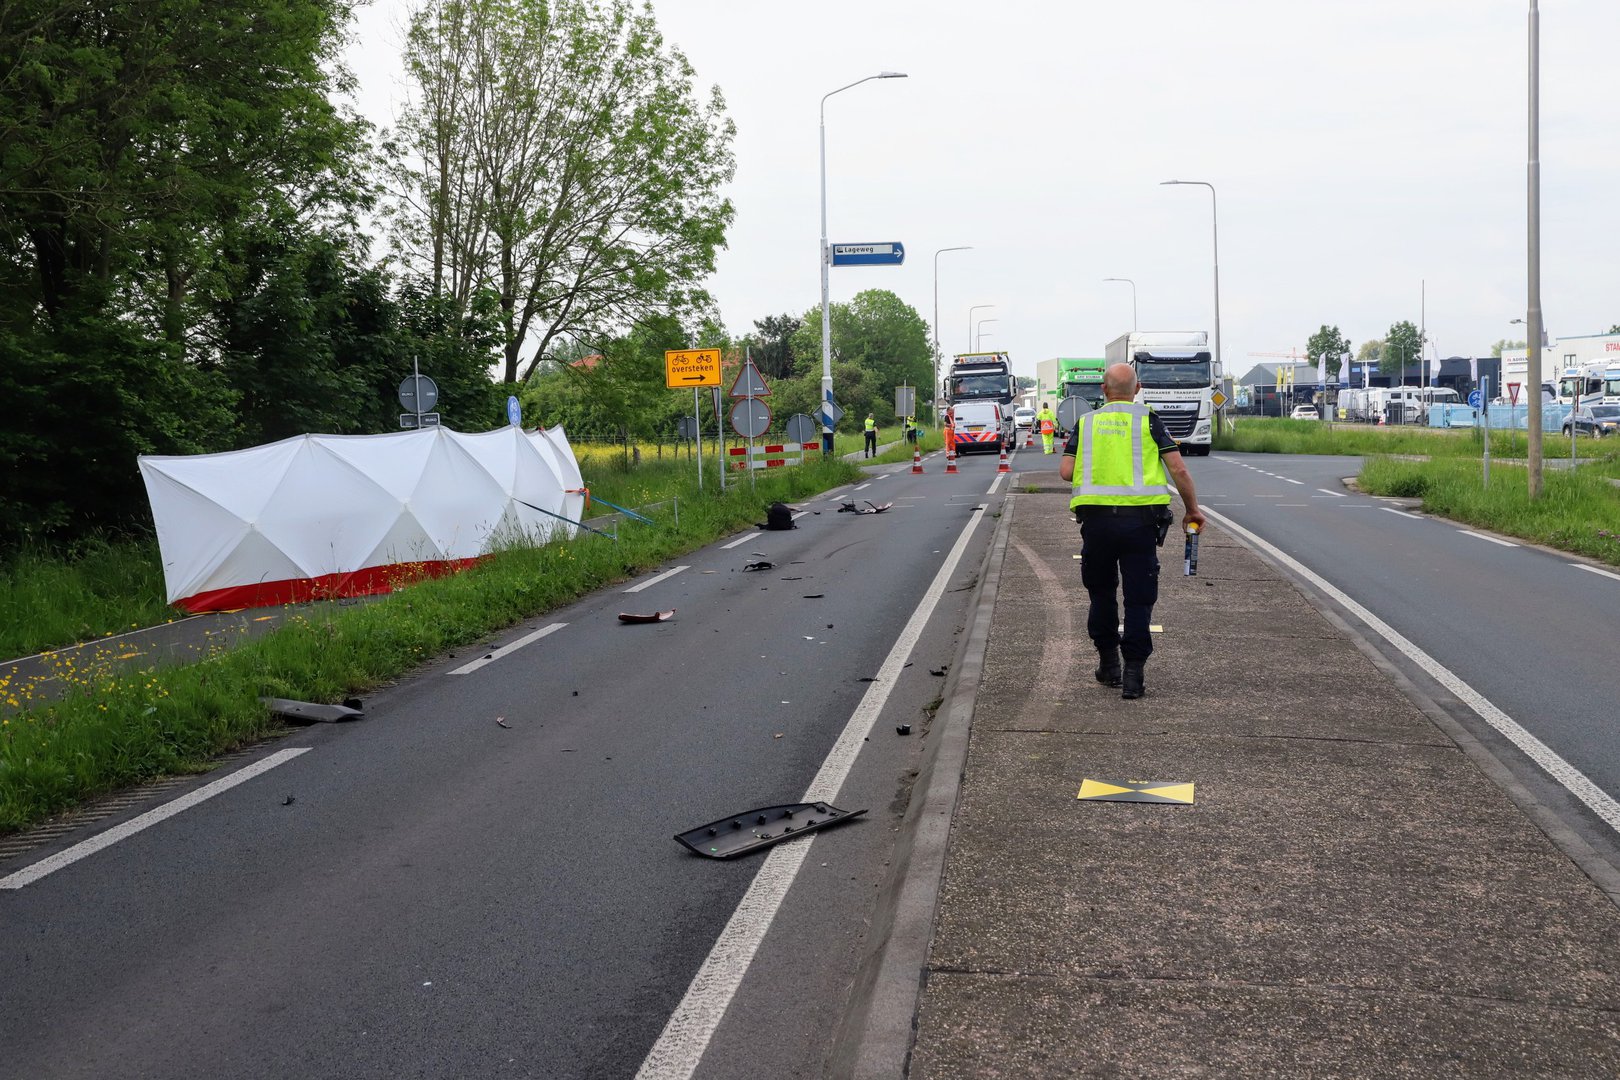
1513,411
694,368
746,419
719,435
1484,395
417,396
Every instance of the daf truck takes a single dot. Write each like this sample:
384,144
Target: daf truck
1179,378
984,378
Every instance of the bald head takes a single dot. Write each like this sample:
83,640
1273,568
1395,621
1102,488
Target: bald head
1119,382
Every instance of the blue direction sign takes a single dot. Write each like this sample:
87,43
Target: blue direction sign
1475,398
890,254
514,412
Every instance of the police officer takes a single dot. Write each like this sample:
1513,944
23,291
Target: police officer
871,436
1121,499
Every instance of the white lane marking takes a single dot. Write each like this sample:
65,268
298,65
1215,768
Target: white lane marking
1358,506
862,487
30,874
799,515
680,1047
650,582
995,483
1335,494
1595,570
526,639
1291,504
1574,781
739,542
1403,513
1492,539
1291,480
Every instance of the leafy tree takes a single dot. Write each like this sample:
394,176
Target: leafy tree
772,345
1402,349
1370,352
1026,383
1615,329
879,342
1330,343
558,155
1504,345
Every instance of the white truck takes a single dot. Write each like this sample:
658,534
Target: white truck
1178,377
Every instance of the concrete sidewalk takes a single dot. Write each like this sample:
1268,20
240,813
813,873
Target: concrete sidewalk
1348,896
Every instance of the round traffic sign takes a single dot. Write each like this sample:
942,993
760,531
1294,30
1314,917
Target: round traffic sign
802,429
1070,410
1475,398
418,394
514,412
750,418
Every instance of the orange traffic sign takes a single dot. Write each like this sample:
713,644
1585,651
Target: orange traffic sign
691,367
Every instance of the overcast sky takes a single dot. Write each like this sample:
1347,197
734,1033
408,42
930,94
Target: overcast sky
1359,149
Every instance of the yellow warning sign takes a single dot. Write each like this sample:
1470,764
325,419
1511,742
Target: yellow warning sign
1155,791
691,367
1217,399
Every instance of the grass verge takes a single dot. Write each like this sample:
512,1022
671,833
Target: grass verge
1578,511
1270,435
121,728
47,600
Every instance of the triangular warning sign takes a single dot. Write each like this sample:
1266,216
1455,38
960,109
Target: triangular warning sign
750,383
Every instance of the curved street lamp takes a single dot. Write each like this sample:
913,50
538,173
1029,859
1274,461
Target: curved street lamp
978,333
826,263
1132,284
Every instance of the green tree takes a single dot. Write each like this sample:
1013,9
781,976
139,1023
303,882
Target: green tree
1503,345
1401,351
878,342
772,345
1615,329
559,155
1370,352
1330,343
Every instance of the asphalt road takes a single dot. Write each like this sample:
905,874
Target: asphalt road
479,879
1530,629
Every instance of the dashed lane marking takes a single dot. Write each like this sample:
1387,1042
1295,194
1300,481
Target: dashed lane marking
650,582
741,540
1403,513
1491,539
30,874
1335,494
1595,570
504,650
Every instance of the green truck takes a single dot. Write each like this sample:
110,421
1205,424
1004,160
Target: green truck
1080,377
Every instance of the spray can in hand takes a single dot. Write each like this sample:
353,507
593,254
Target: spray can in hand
1190,567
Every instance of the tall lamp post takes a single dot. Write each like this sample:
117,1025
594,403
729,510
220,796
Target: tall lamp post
1214,214
1132,284
971,310
1533,329
937,353
978,334
826,264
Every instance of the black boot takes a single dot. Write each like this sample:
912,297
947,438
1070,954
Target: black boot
1133,681
1108,666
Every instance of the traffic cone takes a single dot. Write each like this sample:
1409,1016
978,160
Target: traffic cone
1029,438
916,460
1003,467
950,460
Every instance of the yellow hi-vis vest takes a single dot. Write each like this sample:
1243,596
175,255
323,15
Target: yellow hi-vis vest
871,424
1118,460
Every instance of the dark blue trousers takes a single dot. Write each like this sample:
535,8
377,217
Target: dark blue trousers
1118,550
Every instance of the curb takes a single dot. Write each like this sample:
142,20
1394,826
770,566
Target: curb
875,1037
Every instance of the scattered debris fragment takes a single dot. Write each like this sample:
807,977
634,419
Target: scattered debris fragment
656,616
310,712
760,565
501,720
938,670
778,735
902,729
870,507
289,800
761,827
815,596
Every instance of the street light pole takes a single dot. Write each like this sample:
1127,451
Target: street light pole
978,333
971,310
1132,284
826,265
1533,329
1215,221
937,354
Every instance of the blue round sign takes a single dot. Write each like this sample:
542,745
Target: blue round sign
1475,398
514,412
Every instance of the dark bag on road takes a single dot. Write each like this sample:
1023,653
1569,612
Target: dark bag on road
779,516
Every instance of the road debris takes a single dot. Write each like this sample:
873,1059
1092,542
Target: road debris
815,596
870,507
656,616
310,712
501,720
902,729
761,565
761,827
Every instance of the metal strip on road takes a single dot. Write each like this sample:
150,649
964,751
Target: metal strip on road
30,874
1492,539
1572,779
650,582
1595,570
679,1048
526,639
741,540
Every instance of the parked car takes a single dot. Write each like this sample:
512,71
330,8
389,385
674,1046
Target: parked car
981,425
1024,416
1598,420
1304,412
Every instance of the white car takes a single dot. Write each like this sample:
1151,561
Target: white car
1304,412
1024,416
